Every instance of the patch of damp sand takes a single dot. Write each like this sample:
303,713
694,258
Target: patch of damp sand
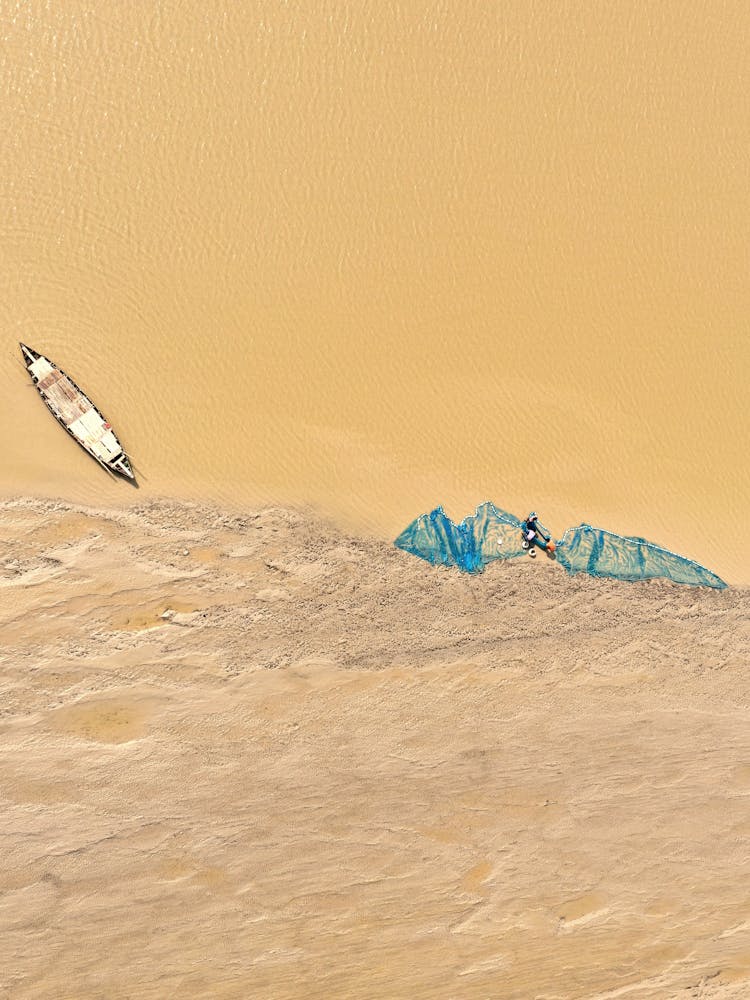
176,869
172,869
104,720
741,776
151,615
69,526
212,877
40,792
205,554
475,877
583,908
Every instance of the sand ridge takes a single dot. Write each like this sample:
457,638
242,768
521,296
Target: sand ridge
251,755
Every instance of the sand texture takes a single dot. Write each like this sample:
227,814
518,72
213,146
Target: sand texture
255,757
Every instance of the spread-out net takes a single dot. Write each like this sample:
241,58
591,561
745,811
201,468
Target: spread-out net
603,553
488,534
491,533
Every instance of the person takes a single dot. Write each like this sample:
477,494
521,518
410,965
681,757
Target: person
534,535
530,528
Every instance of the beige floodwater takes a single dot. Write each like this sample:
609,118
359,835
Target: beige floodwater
378,257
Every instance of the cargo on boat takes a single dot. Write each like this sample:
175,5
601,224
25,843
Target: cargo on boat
74,410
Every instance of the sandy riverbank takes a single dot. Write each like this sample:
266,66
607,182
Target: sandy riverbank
253,756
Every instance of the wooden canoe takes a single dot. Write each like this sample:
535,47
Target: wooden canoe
72,408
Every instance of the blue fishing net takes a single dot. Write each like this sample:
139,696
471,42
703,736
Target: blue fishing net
489,534
492,534
603,553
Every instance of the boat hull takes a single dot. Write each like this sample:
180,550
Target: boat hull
73,409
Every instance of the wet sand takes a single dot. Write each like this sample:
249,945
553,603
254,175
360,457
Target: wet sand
256,756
